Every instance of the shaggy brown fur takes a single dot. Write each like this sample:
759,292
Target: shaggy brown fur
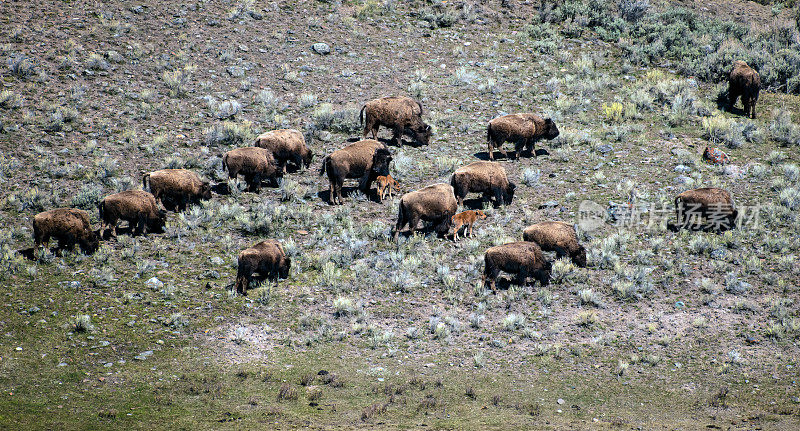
365,160
559,237
68,226
744,82
178,187
488,178
401,114
435,203
525,259
468,219
256,164
137,207
713,204
386,184
523,129
287,145
267,258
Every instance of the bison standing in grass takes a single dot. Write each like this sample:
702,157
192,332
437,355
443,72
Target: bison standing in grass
744,82
254,163
267,259
488,178
559,237
523,258
176,187
712,204
137,207
365,160
69,226
401,114
522,129
436,203
287,145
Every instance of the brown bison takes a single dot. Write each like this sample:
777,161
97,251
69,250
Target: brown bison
176,187
488,178
287,145
523,258
365,160
137,207
266,258
68,226
559,237
435,203
744,82
713,204
523,129
254,163
401,114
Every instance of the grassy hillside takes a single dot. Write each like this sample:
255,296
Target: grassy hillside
661,330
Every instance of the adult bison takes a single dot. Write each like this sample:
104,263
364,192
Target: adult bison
559,237
522,129
745,82
365,160
488,178
401,114
137,207
176,188
436,203
709,203
522,258
254,163
287,145
267,259
69,226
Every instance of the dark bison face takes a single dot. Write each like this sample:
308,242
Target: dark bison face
283,269
580,257
380,161
91,243
551,130
509,194
157,224
307,157
422,133
205,190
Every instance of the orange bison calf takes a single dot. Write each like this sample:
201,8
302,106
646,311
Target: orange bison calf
467,219
401,114
386,184
137,207
525,259
559,237
69,226
267,259
522,129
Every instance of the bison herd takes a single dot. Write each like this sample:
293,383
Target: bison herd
368,161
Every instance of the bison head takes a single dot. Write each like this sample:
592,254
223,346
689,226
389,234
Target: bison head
205,190
422,133
284,266
91,242
157,224
550,129
508,196
579,257
380,161
307,157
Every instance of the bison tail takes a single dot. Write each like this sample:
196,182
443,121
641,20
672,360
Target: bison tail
101,210
145,179
361,115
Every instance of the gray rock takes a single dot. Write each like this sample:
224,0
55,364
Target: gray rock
235,71
216,260
605,148
549,204
560,401
718,253
683,179
62,364
137,9
255,15
321,48
682,169
144,355
154,283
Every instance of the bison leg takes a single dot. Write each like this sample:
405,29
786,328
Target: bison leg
398,135
491,149
401,222
490,273
140,225
530,147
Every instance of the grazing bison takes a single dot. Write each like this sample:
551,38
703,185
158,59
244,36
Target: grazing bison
713,204
68,226
559,237
435,203
488,178
256,164
401,114
287,145
137,207
744,82
522,129
266,258
365,160
525,259
178,187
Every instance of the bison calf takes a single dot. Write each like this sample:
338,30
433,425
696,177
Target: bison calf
435,203
401,114
466,219
712,204
488,178
524,259
559,237
137,207
267,259
745,82
69,226
365,160
177,187
287,145
523,129
254,163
